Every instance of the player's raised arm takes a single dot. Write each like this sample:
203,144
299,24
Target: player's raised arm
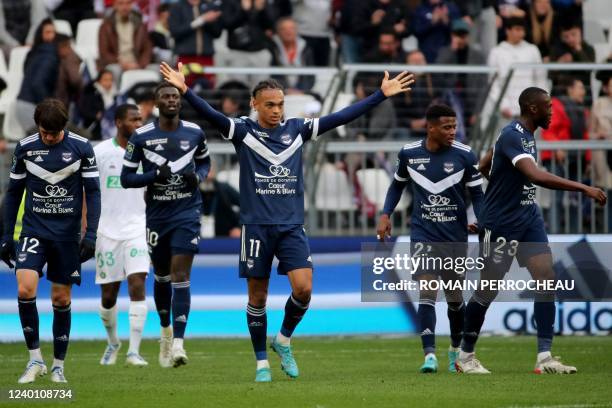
545,179
177,78
12,200
389,87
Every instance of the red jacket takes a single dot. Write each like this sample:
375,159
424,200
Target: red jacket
560,128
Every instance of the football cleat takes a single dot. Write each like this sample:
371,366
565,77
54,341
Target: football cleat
430,365
34,369
136,360
553,365
263,375
179,357
110,354
471,365
165,351
57,375
288,363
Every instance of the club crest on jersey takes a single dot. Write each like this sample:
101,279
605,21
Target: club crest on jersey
66,156
184,145
250,263
449,167
22,256
286,139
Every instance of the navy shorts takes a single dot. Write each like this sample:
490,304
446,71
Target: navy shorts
499,247
62,258
436,256
259,244
165,240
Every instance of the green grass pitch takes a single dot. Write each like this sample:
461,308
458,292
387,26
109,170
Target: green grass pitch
334,372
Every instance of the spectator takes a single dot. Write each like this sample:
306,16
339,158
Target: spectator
388,51
379,123
313,20
432,26
572,48
469,88
569,9
96,98
72,11
345,23
19,20
123,40
481,17
194,25
569,122
514,50
411,107
40,74
290,50
249,24
376,16
69,79
601,129
221,208
161,37
542,26
146,105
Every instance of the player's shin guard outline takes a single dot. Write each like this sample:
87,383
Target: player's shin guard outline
181,304
294,312
61,330
427,324
28,315
257,322
162,294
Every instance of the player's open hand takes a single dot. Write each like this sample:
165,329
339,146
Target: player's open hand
473,228
7,252
401,83
175,77
596,194
383,230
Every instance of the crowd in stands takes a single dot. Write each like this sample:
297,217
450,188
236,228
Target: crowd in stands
138,34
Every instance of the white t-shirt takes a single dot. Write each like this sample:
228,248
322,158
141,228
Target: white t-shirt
123,210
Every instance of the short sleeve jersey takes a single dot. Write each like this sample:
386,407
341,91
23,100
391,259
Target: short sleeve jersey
439,180
509,201
123,210
54,184
151,147
271,176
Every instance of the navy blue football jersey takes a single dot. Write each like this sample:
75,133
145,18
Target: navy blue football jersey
510,202
54,180
150,146
439,180
271,177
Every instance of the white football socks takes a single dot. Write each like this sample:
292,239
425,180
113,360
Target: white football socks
282,340
36,355
138,316
263,364
109,320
